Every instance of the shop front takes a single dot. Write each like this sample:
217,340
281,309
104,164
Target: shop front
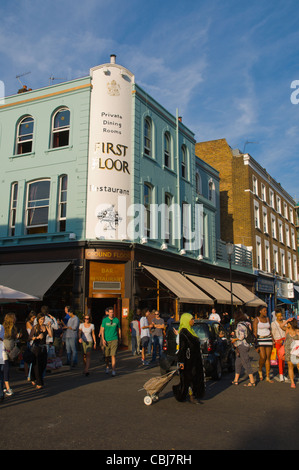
265,289
108,285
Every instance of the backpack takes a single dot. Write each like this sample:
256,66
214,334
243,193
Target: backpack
249,336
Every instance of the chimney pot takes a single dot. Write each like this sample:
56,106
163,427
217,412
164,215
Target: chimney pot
112,59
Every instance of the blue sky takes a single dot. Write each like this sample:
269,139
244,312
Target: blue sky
226,65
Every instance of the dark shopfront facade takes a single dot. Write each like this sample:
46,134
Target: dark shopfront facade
93,276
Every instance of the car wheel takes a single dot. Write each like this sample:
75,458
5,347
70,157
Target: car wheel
217,372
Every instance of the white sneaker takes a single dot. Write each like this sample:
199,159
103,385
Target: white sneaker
8,392
113,373
107,370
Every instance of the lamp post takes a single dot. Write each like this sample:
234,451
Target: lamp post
229,251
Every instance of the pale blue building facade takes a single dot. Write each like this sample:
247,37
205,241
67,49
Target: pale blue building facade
67,153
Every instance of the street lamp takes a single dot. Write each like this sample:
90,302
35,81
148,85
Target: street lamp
229,251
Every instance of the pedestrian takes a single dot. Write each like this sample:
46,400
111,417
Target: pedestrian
262,332
278,329
292,335
150,316
135,335
10,337
58,338
100,335
71,337
214,316
157,332
28,356
1,363
30,320
192,378
111,337
38,336
144,336
169,322
88,340
242,348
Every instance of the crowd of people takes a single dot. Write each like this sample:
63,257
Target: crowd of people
274,341
44,333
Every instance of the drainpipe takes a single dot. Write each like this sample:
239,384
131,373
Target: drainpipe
179,220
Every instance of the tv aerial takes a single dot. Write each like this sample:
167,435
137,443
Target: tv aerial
22,75
248,142
52,78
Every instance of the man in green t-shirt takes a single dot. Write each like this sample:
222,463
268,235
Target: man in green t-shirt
111,334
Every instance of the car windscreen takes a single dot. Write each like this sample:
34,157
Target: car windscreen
201,331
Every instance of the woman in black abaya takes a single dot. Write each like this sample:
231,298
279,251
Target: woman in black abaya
192,378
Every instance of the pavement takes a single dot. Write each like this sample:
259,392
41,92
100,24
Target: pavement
106,413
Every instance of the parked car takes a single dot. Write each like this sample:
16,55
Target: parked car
217,349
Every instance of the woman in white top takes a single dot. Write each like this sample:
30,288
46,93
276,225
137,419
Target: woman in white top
88,340
262,331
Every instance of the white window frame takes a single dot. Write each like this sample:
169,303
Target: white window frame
265,220
255,185
13,208
55,131
148,137
39,206
259,261
275,259
282,262
62,203
271,198
257,222
267,257
24,139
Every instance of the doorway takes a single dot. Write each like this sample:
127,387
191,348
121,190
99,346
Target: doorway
97,310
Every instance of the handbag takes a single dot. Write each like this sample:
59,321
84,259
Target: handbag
273,358
13,354
295,348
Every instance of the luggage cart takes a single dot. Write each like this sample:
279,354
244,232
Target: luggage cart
155,385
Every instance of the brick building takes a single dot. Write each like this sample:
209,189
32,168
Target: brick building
258,213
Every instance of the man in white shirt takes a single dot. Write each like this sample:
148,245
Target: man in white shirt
144,335
214,316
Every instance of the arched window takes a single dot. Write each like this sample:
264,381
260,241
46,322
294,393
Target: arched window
147,201
147,137
184,167
25,135
37,206
198,186
60,128
168,219
167,150
212,193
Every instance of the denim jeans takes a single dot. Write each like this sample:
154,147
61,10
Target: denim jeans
150,343
135,344
157,341
71,351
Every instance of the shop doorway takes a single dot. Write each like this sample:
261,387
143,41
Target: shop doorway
97,310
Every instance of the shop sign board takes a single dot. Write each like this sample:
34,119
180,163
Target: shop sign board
110,152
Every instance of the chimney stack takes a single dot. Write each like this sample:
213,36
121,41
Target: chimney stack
112,58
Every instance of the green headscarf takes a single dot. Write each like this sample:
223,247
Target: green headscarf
184,323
